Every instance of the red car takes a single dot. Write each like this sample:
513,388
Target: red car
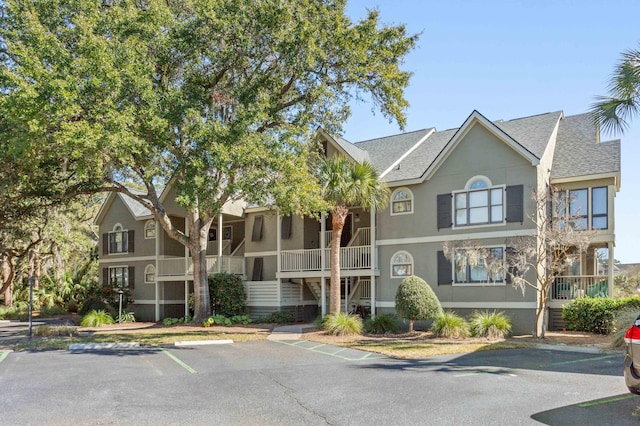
632,357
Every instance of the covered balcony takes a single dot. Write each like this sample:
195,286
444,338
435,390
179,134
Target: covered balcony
172,268
576,286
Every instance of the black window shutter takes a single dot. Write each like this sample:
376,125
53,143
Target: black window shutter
256,235
105,243
444,211
105,276
285,230
112,242
515,203
257,269
132,278
444,269
130,241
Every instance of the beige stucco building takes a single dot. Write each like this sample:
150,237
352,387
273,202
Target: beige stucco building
469,183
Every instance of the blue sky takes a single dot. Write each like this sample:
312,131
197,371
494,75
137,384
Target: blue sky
511,59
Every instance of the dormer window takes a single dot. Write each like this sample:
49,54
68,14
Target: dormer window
401,202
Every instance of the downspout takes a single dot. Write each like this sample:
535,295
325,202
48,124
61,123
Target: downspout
323,280
374,261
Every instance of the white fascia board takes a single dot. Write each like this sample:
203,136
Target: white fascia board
615,175
335,144
409,151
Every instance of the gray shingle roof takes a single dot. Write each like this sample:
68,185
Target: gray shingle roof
532,132
355,152
138,210
383,152
578,153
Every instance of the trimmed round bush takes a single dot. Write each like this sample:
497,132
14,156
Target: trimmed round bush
416,301
492,325
450,325
96,319
382,324
342,324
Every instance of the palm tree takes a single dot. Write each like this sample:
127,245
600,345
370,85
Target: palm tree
347,183
614,112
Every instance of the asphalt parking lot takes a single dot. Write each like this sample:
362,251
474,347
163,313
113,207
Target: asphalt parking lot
298,382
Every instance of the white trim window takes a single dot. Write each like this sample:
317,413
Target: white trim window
150,274
584,208
479,266
401,201
150,229
118,276
118,239
479,203
401,265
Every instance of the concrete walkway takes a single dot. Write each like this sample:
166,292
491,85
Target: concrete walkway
289,332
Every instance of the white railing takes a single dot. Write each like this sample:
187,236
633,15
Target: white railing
175,266
574,287
328,235
181,266
213,246
300,260
355,257
365,289
362,237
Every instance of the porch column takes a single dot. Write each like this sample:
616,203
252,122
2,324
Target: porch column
610,268
186,271
157,284
220,243
374,261
278,247
323,296
323,279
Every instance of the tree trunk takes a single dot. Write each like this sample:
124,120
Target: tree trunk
8,295
339,215
410,326
198,235
8,273
541,315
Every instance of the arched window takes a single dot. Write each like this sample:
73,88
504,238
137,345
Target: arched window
118,240
401,265
401,201
150,274
479,203
150,229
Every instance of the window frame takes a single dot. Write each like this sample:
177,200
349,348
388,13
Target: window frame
604,215
489,188
409,264
147,273
125,276
409,200
468,270
563,208
147,229
112,235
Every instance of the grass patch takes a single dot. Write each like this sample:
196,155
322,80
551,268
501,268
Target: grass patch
159,337
423,349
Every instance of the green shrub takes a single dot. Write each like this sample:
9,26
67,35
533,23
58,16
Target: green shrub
280,317
96,319
596,315
382,324
126,317
492,325
55,331
228,296
8,312
622,320
217,319
71,306
450,325
53,310
342,324
415,301
94,303
241,319
171,321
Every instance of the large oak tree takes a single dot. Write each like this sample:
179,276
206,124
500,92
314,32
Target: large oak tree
216,96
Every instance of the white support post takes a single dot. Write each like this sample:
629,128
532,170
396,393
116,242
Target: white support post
186,298
186,269
610,269
220,243
323,296
374,261
278,247
157,284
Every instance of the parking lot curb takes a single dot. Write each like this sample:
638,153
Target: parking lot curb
567,348
202,342
100,346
